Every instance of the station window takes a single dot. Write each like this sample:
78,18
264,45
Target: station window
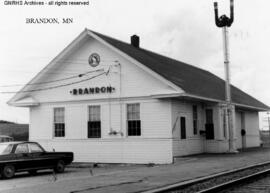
59,122
195,119
94,123
133,119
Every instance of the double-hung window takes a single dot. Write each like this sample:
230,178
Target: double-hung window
94,123
133,119
59,122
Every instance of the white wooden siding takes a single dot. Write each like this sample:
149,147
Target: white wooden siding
251,127
216,146
129,78
126,150
154,145
193,144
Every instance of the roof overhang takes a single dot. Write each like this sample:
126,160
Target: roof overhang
205,99
24,102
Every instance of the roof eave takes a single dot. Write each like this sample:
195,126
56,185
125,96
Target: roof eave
23,104
221,101
252,107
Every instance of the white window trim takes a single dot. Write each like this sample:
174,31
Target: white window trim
126,120
53,127
87,118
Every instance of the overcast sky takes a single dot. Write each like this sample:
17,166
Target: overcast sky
181,29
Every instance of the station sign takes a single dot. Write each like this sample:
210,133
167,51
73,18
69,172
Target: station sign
92,90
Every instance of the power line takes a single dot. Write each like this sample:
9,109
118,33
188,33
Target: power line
63,71
85,61
71,60
19,72
53,87
52,81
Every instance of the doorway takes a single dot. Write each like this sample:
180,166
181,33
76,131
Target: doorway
243,129
209,124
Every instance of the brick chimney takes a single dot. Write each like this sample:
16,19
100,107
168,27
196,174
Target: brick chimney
135,41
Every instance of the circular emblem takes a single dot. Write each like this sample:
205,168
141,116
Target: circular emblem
94,60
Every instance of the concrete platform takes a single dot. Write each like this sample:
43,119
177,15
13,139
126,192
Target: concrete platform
137,178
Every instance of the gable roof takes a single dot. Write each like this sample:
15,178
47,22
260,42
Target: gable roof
192,80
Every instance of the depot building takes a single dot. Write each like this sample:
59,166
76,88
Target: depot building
114,102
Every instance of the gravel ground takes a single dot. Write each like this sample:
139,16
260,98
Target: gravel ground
261,185
219,180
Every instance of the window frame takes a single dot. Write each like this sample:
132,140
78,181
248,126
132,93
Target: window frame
37,145
88,122
21,144
54,126
138,120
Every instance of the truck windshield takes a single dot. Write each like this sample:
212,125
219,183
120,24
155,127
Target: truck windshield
5,149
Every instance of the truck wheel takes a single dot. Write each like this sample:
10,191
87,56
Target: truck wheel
8,171
60,167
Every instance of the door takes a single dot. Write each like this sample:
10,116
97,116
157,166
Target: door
24,161
39,158
183,133
243,129
209,124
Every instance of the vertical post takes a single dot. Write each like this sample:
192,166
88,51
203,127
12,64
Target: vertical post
226,64
268,113
225,22
120,98
228,89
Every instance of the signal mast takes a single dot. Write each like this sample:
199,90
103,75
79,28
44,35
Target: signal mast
225,22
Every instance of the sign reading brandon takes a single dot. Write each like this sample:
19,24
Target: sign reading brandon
92,90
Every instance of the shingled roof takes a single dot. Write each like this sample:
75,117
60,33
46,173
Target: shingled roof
191,79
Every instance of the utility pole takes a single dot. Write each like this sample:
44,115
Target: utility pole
225,22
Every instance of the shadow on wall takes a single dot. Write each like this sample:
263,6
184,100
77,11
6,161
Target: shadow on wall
19,132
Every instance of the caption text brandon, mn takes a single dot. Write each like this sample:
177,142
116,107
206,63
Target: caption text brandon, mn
46,3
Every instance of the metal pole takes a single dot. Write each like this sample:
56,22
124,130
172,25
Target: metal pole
225,22
226,64
268,113
228,88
